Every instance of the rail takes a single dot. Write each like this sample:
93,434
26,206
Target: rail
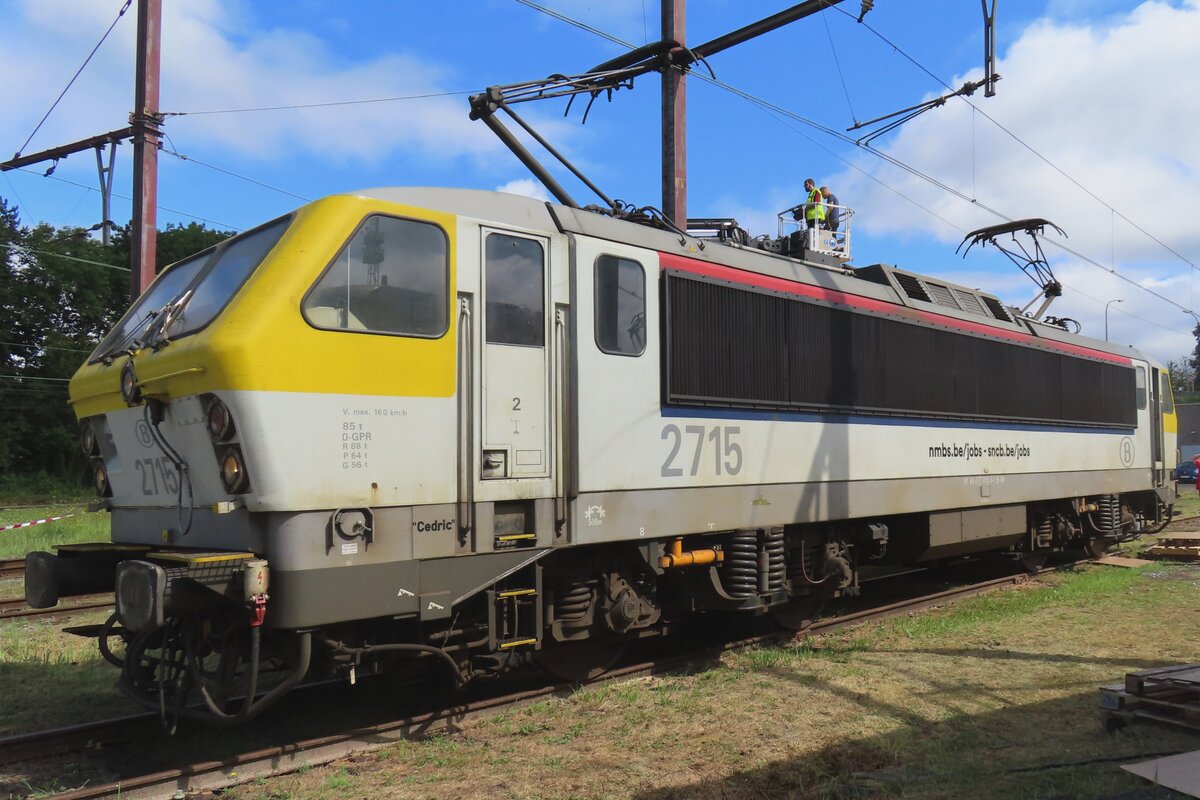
214,774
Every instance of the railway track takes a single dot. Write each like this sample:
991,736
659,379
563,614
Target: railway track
16,608
12,568
282,758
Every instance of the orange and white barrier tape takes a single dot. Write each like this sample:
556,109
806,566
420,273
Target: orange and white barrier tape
35,522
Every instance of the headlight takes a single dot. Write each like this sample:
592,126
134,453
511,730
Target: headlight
130,391
100,478
87,439
233,472
220,421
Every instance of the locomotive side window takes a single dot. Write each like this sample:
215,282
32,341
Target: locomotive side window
620,306
1141,388
1164,391
514,291
392,276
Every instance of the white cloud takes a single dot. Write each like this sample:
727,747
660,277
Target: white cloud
526,187
213,59
1110,104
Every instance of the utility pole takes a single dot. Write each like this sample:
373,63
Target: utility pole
144,132
674,119
674,95
145,121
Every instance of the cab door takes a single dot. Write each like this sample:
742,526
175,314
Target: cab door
1156,426
515,441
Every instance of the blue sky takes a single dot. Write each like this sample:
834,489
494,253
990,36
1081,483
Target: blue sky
1101,128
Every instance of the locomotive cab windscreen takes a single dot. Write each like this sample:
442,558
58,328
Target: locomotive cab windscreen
189,294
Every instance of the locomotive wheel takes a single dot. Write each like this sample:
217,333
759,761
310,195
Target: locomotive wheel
1097,547
1033,562
581,661
796,615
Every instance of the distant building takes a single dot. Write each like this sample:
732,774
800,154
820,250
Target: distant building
1189,429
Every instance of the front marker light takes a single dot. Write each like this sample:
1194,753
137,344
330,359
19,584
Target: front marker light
87,439
233,472
131,393
219,421
100,479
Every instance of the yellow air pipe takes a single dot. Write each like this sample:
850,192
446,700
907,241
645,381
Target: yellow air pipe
676,557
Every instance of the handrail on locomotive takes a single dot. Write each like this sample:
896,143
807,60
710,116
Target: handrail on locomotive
820,239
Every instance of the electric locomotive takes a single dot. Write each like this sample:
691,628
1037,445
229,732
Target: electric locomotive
473,430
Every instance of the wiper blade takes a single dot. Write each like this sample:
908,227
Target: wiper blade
123,344
156,337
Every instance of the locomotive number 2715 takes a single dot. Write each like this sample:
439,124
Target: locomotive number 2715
726,451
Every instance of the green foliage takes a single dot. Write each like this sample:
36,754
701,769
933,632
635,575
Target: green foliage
1193,360
53,311
1183,377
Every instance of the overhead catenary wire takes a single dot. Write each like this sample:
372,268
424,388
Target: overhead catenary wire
20,248
160,207
232,174
938,184
33,378
840,136
838,63
45,347
328,104
70,83
1022,142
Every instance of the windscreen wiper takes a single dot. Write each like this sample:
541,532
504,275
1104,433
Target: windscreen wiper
124,344
156,334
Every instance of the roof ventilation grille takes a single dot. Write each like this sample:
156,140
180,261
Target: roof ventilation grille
970,303
941,295
997,308
912,287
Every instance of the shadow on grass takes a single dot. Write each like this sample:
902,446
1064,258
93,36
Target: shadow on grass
1054,749
989,654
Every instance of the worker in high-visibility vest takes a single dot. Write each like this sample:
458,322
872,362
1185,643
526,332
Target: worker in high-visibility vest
814,207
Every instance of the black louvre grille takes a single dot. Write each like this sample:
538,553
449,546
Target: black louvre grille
728,346
997,308
969,302
912,287
941,295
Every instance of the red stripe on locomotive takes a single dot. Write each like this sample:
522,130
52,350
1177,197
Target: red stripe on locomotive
733,275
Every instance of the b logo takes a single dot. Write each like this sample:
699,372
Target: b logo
142,431
1127,452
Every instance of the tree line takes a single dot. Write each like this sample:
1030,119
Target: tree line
61,290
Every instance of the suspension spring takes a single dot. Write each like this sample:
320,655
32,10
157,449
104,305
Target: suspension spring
804,564
1108,516
1044,535
572,600
739,574
776,571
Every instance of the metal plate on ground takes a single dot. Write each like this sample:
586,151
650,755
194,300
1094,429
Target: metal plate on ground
1122,561
1181,772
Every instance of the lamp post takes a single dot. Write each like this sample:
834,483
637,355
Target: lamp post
1106,305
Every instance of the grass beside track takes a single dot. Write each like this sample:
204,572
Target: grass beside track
995,697
82,527
52,679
